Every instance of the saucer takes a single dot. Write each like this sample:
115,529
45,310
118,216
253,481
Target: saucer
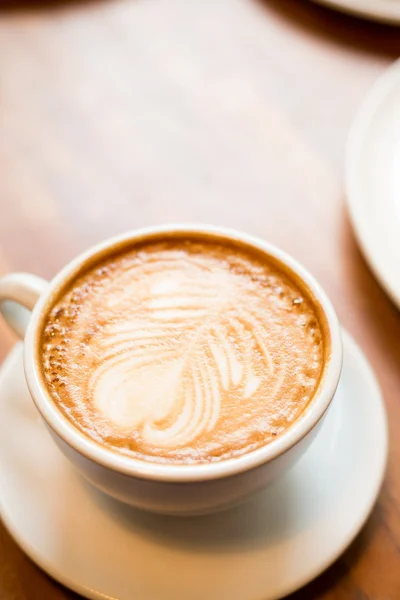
266,548
386,11
373,179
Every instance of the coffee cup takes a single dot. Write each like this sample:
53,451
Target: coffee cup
180,488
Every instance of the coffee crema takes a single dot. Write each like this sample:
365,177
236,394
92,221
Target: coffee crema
184,351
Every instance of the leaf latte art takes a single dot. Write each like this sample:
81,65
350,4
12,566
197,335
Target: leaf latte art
183,351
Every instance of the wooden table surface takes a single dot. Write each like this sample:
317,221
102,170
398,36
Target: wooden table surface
123,113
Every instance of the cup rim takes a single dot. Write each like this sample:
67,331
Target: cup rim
142,469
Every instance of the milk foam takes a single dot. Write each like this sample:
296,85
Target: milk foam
175,346
170,363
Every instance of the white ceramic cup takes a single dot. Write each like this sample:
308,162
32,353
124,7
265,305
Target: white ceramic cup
172,489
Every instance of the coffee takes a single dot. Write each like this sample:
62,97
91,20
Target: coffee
184,351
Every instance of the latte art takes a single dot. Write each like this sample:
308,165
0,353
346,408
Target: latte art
183,351
164,371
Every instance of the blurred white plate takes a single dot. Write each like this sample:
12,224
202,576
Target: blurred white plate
373,179
387,11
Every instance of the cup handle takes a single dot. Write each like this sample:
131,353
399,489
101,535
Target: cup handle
19,293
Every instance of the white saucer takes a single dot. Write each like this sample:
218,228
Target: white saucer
266,548
373,179
386,11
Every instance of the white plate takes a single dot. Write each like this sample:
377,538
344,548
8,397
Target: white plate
266,548
373,179
387,11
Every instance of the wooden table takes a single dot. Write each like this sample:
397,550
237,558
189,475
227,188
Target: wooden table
123,113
